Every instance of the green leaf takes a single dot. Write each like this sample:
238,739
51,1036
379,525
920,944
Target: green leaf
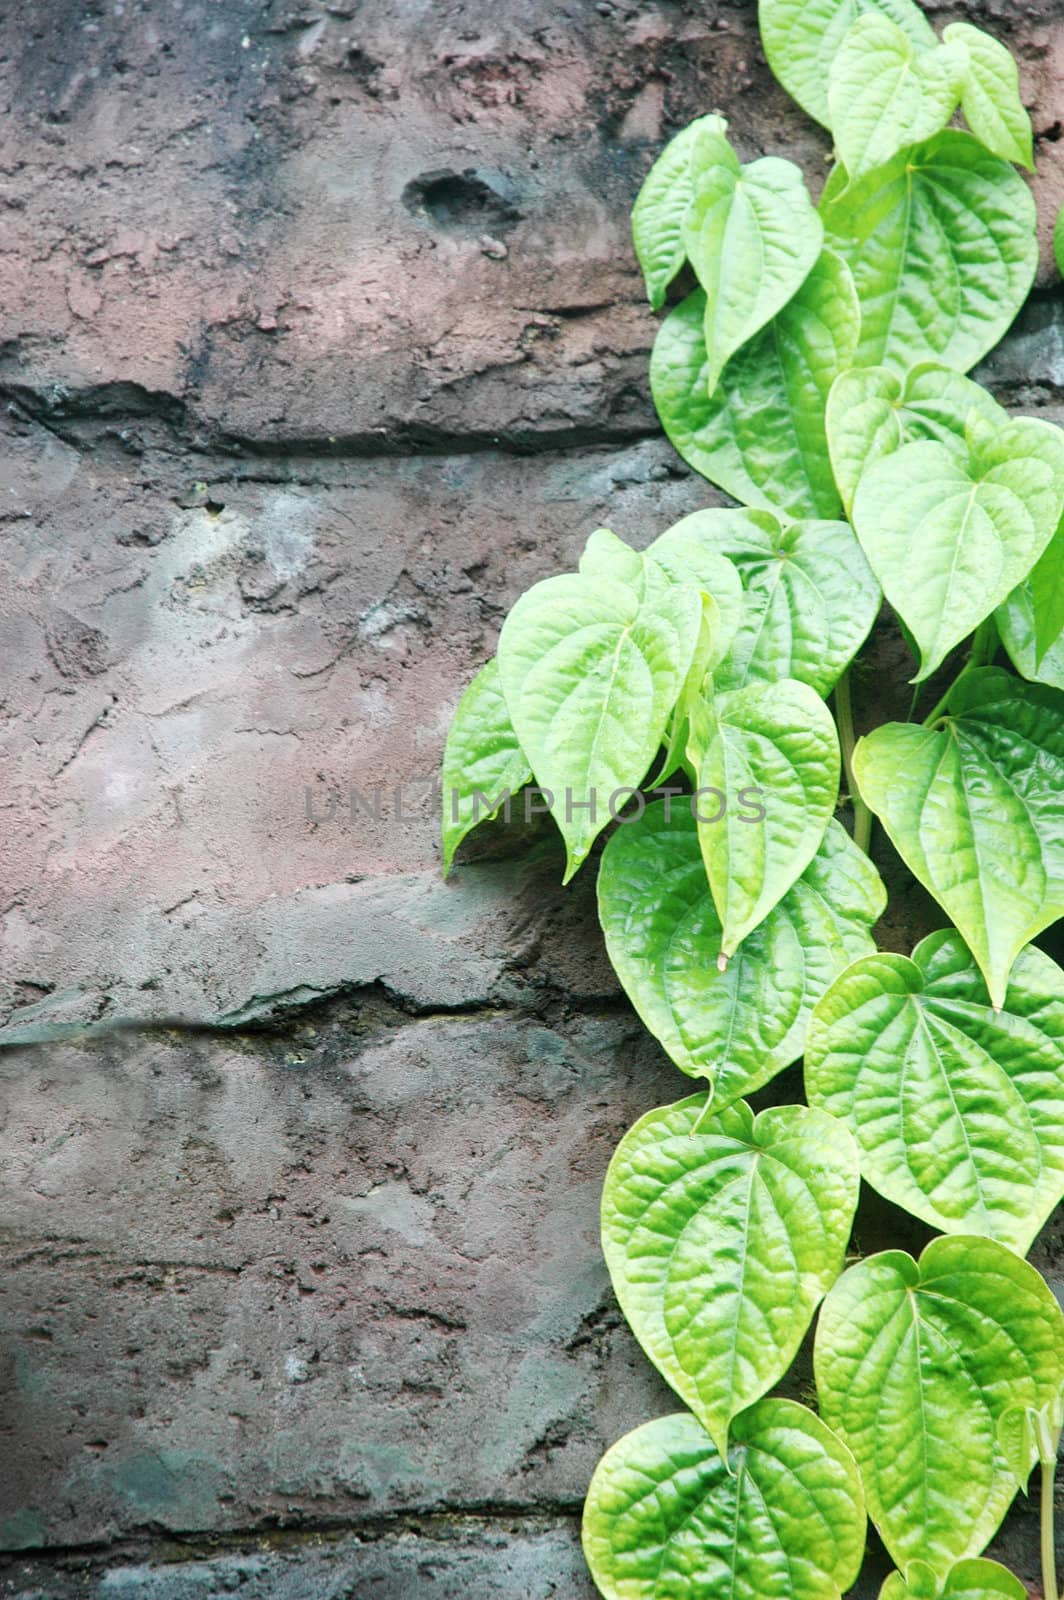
872,412
737,1028
1019,634
810,596
690,559
778,738
942,246
722,1234
591,668
991,95
974,810
1046,585
1058,241
1027,1434
801,38
661,205
968,1580
956,1107
885,92
914,1365
782,1520
752,235
761,438
483,763
950,539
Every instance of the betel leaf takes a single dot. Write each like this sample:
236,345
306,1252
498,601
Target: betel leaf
942,246
1046,587
948,538
958,1109
689,559
737,1028
591,669
483,763
990,97
752,235
885,92
915,1363
761,437
783,1519
810,596
1016,625
978,1579
606,556
872,412
722,1233
777,740
660,207
974,810
801,38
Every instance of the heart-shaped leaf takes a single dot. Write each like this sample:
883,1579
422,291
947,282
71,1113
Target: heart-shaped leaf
810,596
722,1233
693,560
914,1365
783,1519
1018,630
483,763
974,810
777,741
661,205
968,1580
752,235
990,96
737,1028
591,669
950,539
942,246
761,437
885,92
958,1109
872,412
802,38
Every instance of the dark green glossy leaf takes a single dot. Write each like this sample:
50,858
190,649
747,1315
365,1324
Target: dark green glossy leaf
783,1520
958,1109
915,1364
974,809
722,1233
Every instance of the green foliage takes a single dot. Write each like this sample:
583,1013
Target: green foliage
817,373
915,1364
783,1519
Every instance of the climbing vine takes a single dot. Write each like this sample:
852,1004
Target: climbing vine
678,698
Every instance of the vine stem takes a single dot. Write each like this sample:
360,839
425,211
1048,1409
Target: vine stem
862,817
1049,1555
984,649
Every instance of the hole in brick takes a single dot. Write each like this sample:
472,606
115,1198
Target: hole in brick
460,200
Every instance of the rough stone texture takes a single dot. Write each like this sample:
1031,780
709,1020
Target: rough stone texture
321,340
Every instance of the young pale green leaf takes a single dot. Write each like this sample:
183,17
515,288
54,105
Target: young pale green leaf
483,763
1016,625
968,1580
810,596
990,96
689,559
778,739
591,668
737,1028
915,1363
606,556
1028,1433
942,246
872,412
958,1109
1046,584
761,438
783,1519
660,207
885,92
722,1234
752,235
974,810
949,539
802,37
